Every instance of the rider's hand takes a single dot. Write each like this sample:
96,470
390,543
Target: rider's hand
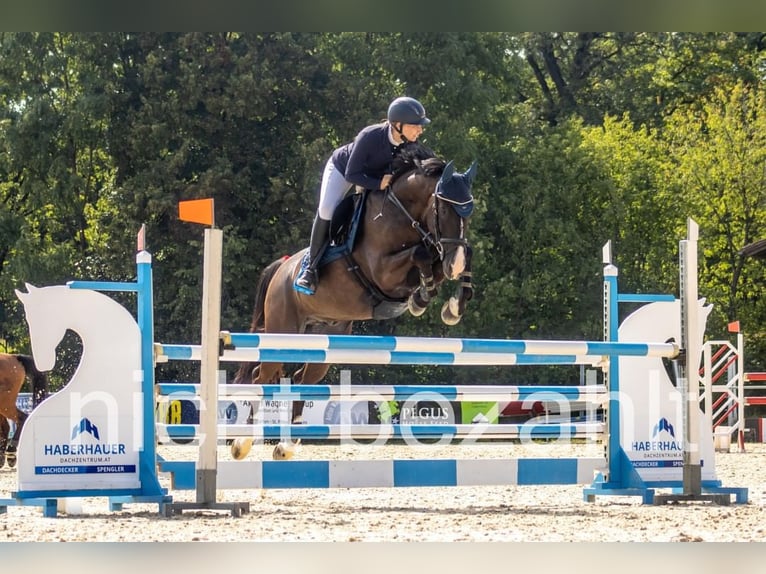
385,181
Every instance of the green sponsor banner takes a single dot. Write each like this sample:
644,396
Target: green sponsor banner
479,411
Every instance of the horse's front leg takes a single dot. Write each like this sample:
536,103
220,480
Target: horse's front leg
422,296
454,308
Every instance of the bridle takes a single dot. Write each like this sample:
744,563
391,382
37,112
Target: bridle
431,239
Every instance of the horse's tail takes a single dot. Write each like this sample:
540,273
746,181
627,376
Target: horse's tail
259,315
38,379
246,371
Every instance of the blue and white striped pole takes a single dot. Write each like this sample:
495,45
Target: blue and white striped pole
447,345
368,350
454,393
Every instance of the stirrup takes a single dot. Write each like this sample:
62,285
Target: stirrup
306,282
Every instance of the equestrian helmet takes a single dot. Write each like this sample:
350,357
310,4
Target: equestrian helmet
407,111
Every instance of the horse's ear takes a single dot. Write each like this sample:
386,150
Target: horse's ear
449,169
471,173
21,295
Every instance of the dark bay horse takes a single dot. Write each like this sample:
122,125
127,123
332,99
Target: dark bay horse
14,369
411,237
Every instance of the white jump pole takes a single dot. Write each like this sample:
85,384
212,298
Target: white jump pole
202,211
741,390
211,326
687,261
692,488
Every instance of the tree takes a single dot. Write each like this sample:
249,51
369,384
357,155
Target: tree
53,165
719,150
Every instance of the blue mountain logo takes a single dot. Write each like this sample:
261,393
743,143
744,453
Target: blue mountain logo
85,426
663,425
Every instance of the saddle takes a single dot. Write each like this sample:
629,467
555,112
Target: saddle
344,226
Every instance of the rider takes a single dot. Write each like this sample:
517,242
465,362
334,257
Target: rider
364,162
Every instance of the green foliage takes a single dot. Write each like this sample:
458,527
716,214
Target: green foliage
719,148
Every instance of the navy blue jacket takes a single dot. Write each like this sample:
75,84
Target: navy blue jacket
368,158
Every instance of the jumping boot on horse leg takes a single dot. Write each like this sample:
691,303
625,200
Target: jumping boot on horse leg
307,279
10,454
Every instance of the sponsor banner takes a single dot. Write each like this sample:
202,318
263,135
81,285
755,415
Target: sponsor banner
427,412
186,411
269,412
89,448
314,412
658,451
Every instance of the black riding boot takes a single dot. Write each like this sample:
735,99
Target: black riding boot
307,279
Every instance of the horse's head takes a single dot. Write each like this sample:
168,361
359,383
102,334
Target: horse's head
440,199
45,332
453,205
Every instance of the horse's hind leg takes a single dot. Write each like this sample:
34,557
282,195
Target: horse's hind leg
5,431
266,373
13,443
308,374
246,373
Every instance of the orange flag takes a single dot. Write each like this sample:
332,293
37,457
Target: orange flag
197,211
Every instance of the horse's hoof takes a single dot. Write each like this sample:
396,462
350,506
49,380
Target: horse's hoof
11,460
447,317
240,448
2,460
285,451
414,309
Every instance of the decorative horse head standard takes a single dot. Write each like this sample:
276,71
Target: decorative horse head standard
83,438
411,238
14,369
651,403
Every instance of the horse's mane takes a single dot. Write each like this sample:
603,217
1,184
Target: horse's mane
415,156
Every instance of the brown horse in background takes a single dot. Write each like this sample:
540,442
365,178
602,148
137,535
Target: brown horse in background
14,370
409,239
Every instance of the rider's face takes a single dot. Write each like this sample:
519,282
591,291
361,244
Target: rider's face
412,132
